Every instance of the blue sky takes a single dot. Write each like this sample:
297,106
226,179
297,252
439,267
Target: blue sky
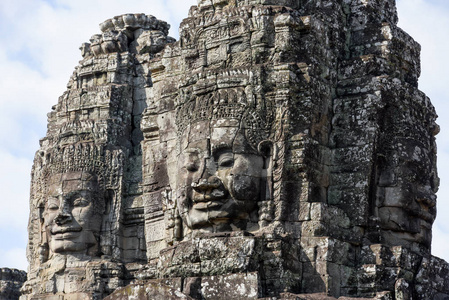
39,41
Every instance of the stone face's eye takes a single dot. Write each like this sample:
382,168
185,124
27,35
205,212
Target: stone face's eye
192,167
80,202
226,160
192,161
53,206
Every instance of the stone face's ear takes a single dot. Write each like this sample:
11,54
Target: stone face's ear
265,148
109,196
43,250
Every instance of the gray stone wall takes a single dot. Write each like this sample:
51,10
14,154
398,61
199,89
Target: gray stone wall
278,149
11,280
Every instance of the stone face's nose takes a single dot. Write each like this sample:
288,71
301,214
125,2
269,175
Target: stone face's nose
63,218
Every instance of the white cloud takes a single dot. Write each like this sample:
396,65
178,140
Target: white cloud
25,98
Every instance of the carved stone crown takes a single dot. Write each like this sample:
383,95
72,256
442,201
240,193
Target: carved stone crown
227,104
106,163
223,104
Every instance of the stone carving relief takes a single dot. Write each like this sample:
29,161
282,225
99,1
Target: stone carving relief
86,219
408,181
223,162
75,196
138,31
278,148
73,213
75,207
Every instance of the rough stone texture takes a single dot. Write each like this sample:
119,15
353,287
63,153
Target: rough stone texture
86,226
11,280
278,150
154,290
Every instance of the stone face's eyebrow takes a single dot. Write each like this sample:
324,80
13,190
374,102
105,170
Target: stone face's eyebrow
52,199
217,149
81,192
192,150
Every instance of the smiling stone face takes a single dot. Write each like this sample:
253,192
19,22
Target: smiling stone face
219,178
73,212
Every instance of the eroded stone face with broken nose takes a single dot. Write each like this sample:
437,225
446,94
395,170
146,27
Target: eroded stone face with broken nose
219,179
73,213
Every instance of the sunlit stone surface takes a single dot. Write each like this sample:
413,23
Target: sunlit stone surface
278,149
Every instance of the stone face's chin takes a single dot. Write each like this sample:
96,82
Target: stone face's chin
199,215
75,240
72,241
61,246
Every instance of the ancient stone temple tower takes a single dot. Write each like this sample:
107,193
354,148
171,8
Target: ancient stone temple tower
280,148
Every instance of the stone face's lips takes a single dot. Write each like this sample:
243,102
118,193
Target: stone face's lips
207,205
63,230
215,195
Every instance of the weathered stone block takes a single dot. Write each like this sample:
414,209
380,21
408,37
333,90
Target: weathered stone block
234,286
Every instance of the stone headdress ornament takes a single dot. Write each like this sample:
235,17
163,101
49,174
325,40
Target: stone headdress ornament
106,163
234,103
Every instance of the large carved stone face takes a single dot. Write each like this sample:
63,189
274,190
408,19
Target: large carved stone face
73,211
219,178
408,206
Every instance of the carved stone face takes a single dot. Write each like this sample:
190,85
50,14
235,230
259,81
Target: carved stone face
408,206
73,211
219,178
